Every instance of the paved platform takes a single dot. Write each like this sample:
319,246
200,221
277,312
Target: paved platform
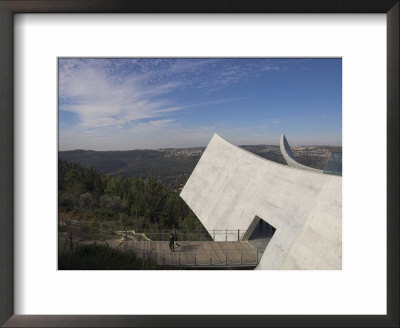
194,253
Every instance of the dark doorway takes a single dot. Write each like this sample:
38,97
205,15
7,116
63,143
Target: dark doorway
262,230
259,233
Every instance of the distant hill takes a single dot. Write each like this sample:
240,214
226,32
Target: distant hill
174,165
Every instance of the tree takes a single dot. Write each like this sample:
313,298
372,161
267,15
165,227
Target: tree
116,186
154,196
67,200
111,203
86,200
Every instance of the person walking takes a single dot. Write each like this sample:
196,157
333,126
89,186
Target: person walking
171,242
175,238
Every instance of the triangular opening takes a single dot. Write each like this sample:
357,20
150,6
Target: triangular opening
259,233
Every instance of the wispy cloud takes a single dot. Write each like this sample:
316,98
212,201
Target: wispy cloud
121,92
102,98
161,123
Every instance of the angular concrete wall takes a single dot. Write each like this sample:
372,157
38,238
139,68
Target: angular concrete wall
289,157
230,186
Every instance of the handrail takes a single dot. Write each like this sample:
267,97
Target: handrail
163,234
214,258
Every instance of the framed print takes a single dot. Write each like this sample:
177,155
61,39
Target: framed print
46,113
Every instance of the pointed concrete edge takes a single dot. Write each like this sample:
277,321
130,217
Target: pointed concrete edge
289,157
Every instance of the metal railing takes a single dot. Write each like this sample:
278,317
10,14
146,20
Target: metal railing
197,235
101,228
198,258
116,227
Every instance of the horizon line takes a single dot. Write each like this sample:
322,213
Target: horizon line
81,149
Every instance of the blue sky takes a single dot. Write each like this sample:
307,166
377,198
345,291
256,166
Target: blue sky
122,104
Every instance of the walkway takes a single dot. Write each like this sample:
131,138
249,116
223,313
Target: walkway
195,253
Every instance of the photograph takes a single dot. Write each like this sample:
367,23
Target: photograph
199,163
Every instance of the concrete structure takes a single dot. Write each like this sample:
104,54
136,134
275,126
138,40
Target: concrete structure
231,188
289,157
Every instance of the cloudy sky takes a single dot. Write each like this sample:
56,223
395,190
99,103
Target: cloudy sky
122,104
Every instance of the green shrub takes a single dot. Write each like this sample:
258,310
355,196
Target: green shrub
94,229
84,227
103,257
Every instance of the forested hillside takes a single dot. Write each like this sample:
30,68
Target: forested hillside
168,166
141,202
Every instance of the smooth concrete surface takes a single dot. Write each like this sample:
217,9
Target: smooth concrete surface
230,186
289,157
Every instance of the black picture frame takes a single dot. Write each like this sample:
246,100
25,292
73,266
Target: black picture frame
7,10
